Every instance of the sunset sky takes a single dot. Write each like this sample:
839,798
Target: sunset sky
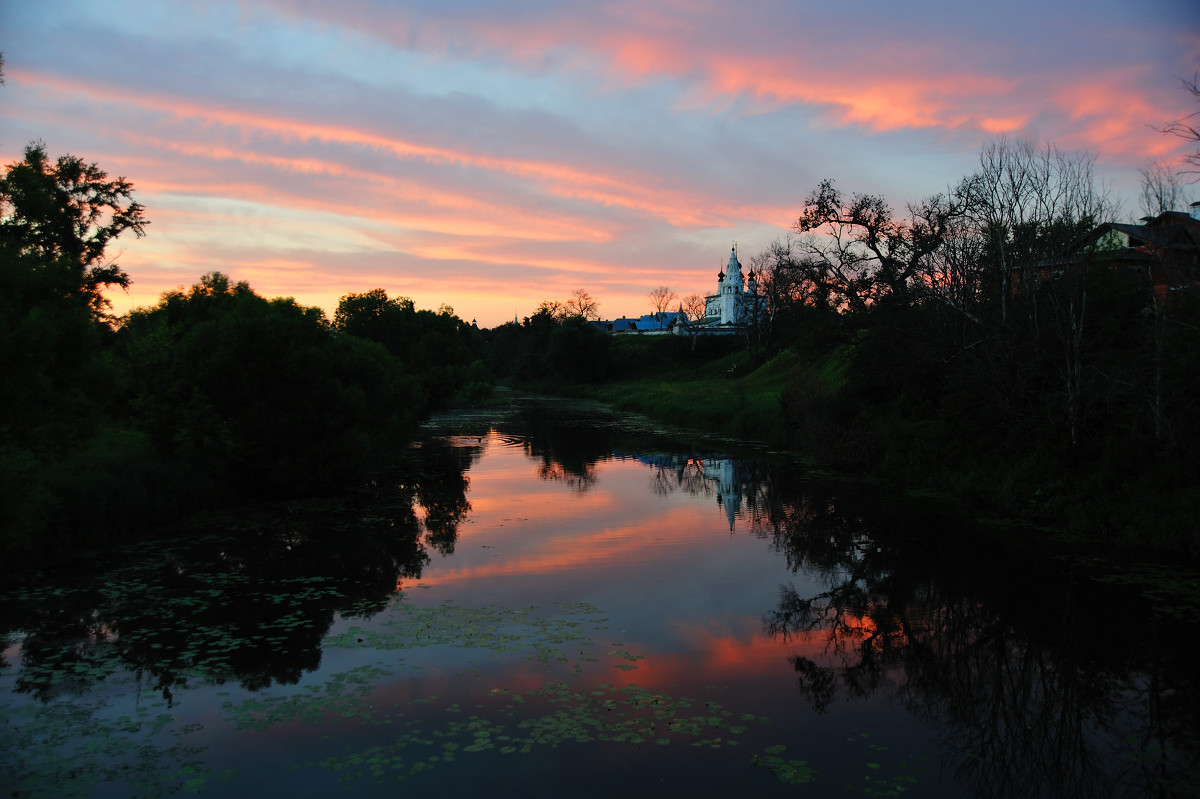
492,155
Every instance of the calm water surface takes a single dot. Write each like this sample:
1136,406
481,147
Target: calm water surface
558,605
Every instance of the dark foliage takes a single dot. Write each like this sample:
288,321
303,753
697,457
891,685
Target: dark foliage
441,351
258,394
63,214
214,396
1068,399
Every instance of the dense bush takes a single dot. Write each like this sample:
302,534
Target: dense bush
438,349
260,393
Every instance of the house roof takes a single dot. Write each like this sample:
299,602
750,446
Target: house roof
1172,229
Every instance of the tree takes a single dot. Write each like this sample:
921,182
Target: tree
582,304
578,352
660,300
1161,190
859,254
788,289
436,347
1187,127
254,395
953,275
375,316
64,214
693,306
550,309
1031,204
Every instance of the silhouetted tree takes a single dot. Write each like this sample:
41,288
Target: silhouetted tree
255,395
438,349
64,214
1161,190
855,250
660,300
580,303
1186,127
579,352
58,449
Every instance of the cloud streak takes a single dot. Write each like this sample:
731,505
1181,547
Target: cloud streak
490,157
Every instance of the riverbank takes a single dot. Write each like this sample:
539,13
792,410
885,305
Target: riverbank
1095,504
671,408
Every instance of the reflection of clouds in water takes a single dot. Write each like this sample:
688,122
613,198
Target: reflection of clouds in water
887,610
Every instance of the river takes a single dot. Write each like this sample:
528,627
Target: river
555,602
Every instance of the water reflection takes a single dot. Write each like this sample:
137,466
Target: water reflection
439,485
1040,682
731,482
1040,685
565,446
1036,681
246,600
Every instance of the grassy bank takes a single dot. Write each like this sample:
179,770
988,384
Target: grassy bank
1105,504
727,395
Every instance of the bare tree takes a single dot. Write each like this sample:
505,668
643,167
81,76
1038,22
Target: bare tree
1188,127
1032,203
952,274
781,281
1162,190
660,300
582,304
551,308
693,306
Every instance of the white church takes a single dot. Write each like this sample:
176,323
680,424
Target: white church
733,305
728,311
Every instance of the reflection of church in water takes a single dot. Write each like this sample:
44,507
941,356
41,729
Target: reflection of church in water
731,482
725,474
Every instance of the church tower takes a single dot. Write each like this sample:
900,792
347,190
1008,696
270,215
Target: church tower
730,287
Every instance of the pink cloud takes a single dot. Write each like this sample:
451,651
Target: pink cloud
445,207
881,81
592,184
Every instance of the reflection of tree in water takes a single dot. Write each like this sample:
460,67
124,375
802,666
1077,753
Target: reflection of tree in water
440,487
566,444
670,473
1038,686
248,599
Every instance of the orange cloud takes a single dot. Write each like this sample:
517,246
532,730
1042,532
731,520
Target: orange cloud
557,179
379,194
437,207
620,543
899,84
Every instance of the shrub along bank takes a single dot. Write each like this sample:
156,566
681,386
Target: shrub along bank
850,409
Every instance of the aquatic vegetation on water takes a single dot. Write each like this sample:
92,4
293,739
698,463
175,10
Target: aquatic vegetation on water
76,743
67,749
544,718
494,628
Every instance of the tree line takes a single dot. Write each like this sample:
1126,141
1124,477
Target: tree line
989,340
214,396
995,340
